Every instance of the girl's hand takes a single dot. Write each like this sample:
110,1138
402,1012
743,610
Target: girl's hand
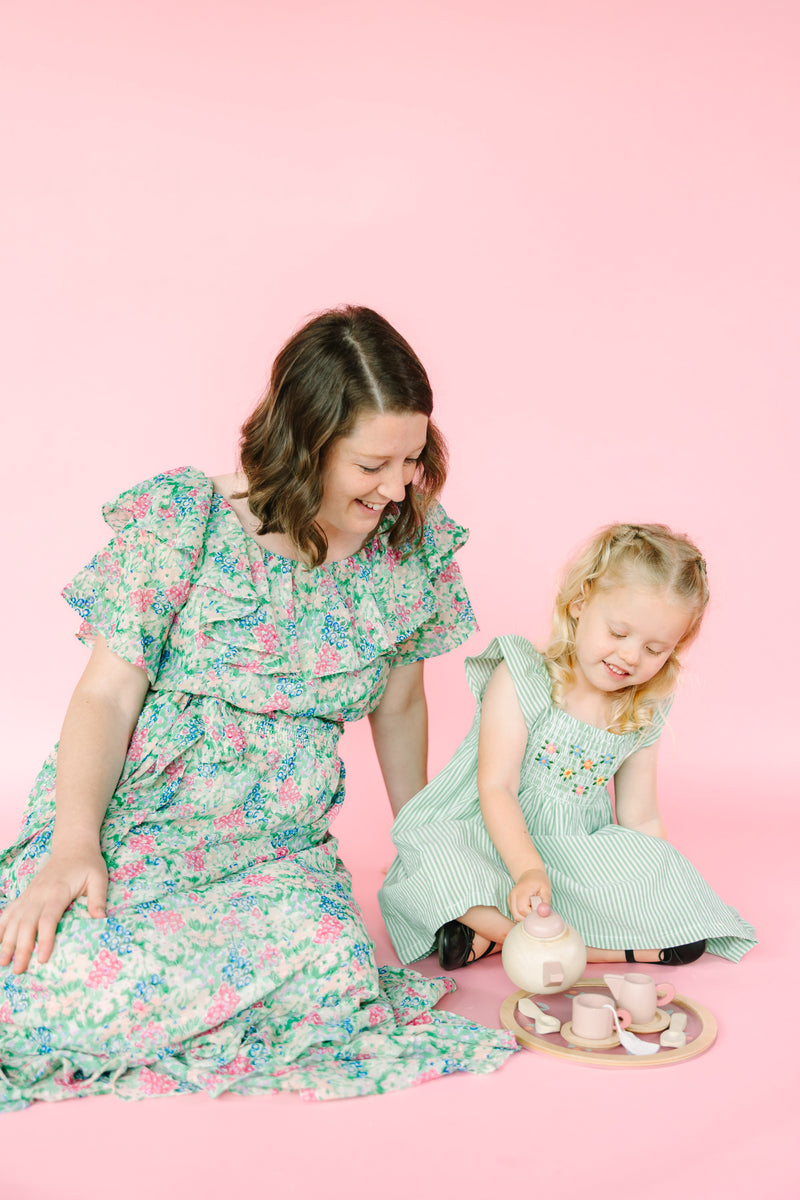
34,916
530,884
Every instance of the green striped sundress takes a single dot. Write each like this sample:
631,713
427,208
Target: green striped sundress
619,888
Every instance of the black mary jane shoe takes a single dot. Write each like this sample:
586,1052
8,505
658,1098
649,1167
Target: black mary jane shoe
454,946
675,956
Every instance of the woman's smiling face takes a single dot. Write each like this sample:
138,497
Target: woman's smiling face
365,471
624,635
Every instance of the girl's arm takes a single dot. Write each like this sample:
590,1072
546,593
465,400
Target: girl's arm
501,747
400,733
101,717
635,796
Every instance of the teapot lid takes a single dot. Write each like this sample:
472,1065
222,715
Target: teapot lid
543,928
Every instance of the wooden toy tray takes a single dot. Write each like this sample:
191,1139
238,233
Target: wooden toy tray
701,1030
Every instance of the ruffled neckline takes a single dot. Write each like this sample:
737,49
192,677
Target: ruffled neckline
366,604
222,504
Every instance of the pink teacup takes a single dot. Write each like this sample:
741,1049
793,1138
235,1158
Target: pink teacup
593,1017
640,994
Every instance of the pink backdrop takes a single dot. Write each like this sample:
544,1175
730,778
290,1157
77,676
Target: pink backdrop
584,218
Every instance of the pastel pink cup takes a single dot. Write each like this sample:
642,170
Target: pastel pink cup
593,1019
640,994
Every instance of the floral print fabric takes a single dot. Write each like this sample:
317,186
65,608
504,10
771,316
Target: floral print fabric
233,956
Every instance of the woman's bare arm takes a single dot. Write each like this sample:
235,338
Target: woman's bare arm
400,733
101,717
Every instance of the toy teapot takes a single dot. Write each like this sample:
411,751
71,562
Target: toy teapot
542,954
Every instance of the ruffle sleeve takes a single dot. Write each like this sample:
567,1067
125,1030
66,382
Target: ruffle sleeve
530,676
436,592
131,591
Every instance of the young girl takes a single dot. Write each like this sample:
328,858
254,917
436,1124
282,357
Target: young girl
523,809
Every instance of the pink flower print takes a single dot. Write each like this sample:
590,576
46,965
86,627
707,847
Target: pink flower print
105,969
236,736
422,1019
580,789
328,930
268,638
234,820
392,557
152,1084
152,1033
377,1015
278,702
167,922
136,745
327,660
142,843
224,1006
450,572
196,858
141,506
5,1013
270,954
427,1077
177,593
288,793
140,662
129,871
258,572
551,748
312,1018
259,879
201,640
27,868
239,1066
142,598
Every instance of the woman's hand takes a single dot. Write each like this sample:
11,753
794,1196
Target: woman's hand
529,885
101,717
34,916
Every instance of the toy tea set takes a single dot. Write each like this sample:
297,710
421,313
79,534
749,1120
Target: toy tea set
621,1020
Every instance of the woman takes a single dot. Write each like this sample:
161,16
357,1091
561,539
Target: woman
194,928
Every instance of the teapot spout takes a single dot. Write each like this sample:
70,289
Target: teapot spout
553,974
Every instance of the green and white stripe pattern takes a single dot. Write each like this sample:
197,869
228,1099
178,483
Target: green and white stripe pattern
620,889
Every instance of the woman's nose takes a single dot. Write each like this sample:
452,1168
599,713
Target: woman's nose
393,485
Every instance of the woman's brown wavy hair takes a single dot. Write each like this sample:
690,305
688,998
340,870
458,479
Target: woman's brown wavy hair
635,556
342,363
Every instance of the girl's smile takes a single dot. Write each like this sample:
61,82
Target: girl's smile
624,636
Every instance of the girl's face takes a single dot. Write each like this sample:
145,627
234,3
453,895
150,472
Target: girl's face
367,470
625,635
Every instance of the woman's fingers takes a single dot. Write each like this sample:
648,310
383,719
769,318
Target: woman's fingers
24,942
96,891
48,923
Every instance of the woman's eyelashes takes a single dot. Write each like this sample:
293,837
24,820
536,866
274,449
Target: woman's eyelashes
411,462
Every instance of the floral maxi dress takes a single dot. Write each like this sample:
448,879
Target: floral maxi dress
233,955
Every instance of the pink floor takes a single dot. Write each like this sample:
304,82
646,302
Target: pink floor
724,1123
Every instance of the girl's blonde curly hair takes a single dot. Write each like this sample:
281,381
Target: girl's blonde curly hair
629,555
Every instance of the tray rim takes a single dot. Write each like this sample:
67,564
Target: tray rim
596,1058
